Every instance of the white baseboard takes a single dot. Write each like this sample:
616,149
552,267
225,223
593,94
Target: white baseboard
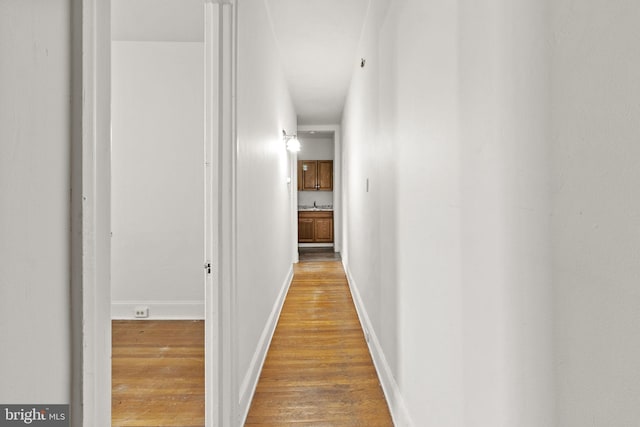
159,310
250,381
397,406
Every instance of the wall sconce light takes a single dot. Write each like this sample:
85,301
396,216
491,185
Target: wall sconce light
293,144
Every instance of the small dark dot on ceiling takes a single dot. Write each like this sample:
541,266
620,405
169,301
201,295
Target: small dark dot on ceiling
362,62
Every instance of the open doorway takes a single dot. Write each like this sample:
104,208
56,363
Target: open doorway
319,181
158,212
92,173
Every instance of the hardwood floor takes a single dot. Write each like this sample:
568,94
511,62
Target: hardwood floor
318,371
157,373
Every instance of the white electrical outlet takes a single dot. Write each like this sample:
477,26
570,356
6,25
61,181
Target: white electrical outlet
142,311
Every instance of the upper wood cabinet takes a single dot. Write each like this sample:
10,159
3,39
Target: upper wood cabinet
325,175
309,177
315,175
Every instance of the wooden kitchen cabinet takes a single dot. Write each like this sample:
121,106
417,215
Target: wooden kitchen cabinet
315,175
305,229
325,175
309,176
323,230
315,227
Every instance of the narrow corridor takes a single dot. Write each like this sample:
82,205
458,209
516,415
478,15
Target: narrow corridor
318,370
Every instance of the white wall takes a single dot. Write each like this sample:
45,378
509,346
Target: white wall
425,134
504,103
370,218
312,148
264,197
158,178
157,20
34,201
448,251
596,216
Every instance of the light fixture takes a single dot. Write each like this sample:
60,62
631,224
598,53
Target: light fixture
292,141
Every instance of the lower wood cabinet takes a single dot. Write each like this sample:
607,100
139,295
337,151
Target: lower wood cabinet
315,227
305,229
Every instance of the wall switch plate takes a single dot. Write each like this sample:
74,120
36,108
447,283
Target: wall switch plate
141,311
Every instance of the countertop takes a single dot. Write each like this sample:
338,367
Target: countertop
321,208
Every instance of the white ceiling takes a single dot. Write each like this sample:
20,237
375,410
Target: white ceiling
315,134
318,40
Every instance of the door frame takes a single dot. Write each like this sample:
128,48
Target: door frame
293,208
90,222
221,383
337,179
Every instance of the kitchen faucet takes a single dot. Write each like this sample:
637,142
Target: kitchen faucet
314,204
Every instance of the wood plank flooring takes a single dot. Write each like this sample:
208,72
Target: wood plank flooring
157,373
318,371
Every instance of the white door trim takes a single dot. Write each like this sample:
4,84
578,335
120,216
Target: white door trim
227,203
211,216
337,178
220,228
90,218
293,188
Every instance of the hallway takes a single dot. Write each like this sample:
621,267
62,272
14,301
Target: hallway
318,370
488,215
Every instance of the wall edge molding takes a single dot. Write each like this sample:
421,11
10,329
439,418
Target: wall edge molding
390,388
159,310
250,380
